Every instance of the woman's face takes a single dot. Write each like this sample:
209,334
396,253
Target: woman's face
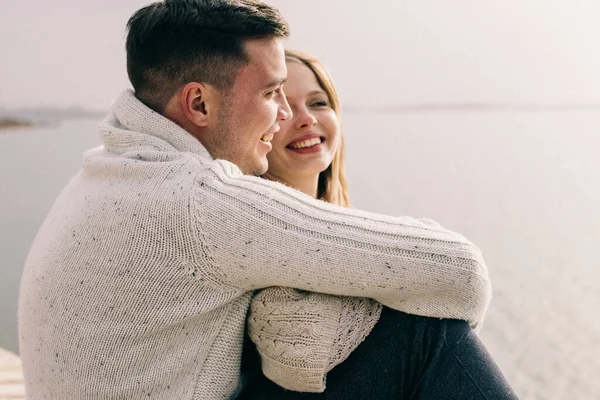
307,142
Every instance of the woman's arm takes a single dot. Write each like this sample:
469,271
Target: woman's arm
301,336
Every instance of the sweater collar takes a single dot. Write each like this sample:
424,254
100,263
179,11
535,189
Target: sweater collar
131,124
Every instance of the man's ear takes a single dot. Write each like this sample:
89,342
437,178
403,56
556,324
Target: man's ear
197,102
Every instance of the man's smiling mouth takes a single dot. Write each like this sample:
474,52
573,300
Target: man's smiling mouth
267,137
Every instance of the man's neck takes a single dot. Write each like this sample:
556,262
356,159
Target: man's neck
306,184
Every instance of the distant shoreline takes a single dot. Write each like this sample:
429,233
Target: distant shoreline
18,123
12,123
46,117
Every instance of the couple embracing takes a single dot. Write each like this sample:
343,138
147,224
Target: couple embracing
207,250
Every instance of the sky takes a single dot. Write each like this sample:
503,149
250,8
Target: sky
381,52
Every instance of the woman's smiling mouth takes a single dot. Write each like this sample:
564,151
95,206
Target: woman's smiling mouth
307,144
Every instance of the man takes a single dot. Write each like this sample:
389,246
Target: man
139,281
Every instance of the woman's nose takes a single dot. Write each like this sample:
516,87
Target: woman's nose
304,118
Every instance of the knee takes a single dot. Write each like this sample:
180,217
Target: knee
452,331
455,331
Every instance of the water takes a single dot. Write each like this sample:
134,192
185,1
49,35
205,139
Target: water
525,187
35,164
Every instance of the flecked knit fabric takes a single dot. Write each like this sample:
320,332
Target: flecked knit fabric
140,279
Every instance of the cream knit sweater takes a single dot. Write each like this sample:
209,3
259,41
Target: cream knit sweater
140,279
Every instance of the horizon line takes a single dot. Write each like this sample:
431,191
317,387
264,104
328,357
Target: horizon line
390,108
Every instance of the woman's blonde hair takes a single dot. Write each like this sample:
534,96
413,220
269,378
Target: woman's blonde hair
332,182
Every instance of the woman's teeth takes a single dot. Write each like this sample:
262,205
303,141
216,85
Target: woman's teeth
305,143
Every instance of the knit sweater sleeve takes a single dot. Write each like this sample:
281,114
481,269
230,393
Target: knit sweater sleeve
253,233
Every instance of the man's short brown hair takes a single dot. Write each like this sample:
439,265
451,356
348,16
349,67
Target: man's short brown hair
174,42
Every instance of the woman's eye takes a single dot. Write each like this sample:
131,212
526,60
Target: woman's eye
320,103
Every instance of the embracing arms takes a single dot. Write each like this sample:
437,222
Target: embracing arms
257,233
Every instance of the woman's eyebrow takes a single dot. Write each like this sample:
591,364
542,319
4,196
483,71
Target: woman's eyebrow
309,94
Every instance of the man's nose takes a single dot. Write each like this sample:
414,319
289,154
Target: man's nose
284,111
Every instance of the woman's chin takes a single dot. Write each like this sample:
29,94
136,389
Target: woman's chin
312,167
306,169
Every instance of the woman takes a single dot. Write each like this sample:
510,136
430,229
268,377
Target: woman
308,154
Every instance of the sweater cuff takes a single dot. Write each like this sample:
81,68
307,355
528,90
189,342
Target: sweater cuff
293,378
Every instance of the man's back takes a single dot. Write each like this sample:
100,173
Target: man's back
111,302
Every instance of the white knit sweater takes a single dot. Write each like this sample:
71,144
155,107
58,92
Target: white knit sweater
140,279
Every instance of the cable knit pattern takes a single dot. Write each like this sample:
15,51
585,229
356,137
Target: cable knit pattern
139,281
357,317
302,335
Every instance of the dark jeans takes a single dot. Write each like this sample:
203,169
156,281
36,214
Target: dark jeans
404,357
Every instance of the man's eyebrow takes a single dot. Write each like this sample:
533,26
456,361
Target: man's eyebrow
275,83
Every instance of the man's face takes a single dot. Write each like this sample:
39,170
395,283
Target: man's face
248,115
